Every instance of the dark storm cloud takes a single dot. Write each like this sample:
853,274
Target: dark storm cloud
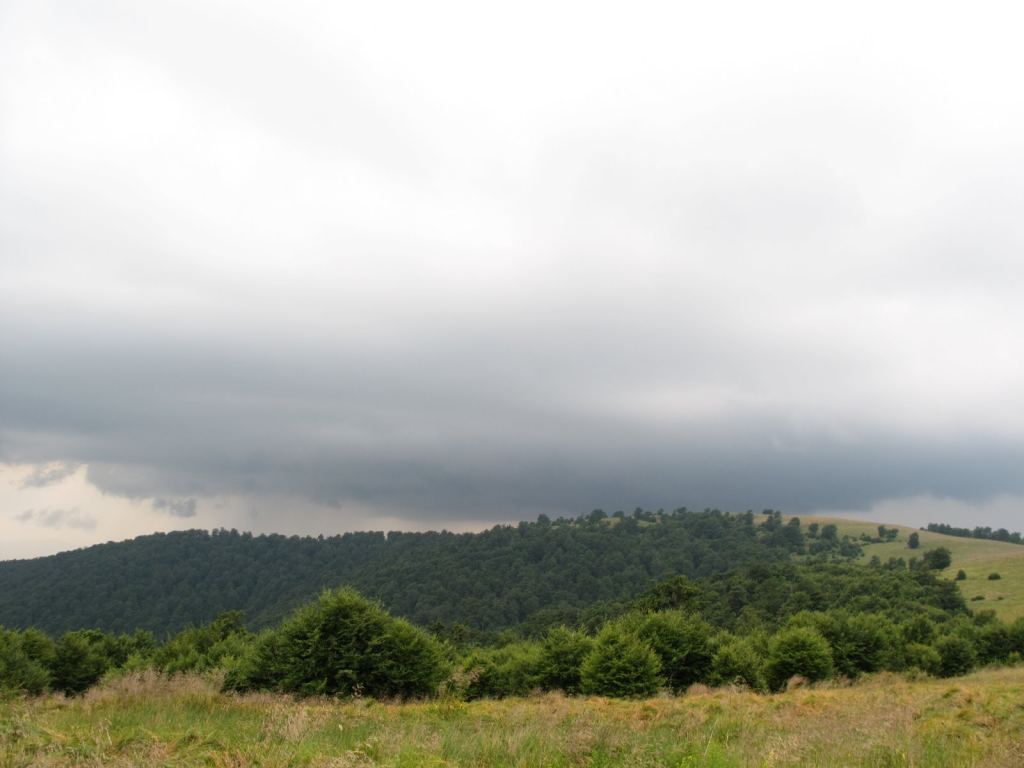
175,507
380,261
441,436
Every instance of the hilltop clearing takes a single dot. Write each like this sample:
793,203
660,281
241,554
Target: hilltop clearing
978,558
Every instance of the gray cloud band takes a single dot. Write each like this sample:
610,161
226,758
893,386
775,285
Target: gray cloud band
344,264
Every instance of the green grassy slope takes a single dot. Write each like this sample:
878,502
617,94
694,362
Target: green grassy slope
977,557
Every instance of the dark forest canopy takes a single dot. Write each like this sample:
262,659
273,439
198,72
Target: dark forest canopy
490,580
758,626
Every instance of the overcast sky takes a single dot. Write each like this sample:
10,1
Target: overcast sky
315,267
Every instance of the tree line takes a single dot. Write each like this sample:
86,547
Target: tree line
551,569
761,626
978,532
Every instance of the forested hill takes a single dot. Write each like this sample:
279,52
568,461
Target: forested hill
489,580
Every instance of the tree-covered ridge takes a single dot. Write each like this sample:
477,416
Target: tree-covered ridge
490,580
979,532
861,620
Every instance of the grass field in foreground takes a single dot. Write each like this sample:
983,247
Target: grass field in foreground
884,720
977,557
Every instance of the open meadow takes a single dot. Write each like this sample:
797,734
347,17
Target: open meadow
883,720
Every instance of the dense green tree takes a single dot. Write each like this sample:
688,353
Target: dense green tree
922,657
621,665
561,659
80,659
738,662
206,647
914,540
683,645
859,642
677,592
1015,634
344,644
797,651
992,642
514,669
20,672
956,655
39,647
918,629
937,559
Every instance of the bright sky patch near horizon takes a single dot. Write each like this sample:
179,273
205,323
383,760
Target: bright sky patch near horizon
314,268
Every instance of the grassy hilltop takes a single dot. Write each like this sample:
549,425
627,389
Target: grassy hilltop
880,722
977,557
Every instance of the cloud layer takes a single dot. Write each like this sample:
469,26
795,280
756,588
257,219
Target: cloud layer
437,263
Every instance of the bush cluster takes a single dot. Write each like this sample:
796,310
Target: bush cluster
345,645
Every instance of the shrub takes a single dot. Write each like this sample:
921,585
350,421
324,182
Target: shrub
19,671
1015,634
937,559
919,629
620,664
798,651
737,662
200,649
81,658
859,643
956,655
345,644
994,577
961,575
39,647
561,657
914,540
683,645
259,665
993,642
512,670
922,657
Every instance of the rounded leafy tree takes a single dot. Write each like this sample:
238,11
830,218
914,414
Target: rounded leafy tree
798,651
683,645
621,665
344,644
737,662
562,655
956,655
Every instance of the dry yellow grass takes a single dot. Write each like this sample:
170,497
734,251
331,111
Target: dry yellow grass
884,720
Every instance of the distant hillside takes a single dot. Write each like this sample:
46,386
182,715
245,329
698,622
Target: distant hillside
978,558
489,580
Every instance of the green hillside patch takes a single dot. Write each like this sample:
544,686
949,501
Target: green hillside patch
976,557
